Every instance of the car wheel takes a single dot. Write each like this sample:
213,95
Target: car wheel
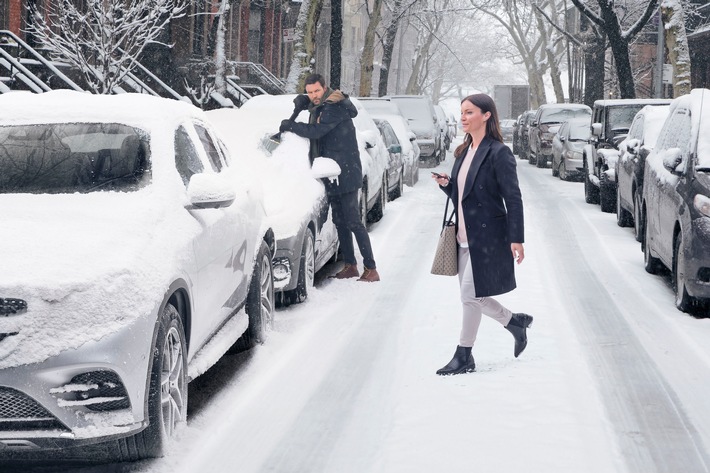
531,158
591,192
378,210
541,161
399,190
638,221
555,168
650,263
607,194
260,301
167,393
623,216
363,204
563,171
683,301
306,271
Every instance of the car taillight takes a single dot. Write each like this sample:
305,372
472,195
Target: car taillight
702,203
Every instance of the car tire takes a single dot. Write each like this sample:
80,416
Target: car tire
260,302
623,216
683,301
531,158
651,264
167,392
638,220
399,190
378,210
541,161
563,171
306,271
607,194
591,192
363,204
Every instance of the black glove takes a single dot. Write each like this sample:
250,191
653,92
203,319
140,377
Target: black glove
286,125
301,102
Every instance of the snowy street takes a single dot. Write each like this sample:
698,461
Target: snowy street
613,379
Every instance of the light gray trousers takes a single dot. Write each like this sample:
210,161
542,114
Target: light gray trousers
474,307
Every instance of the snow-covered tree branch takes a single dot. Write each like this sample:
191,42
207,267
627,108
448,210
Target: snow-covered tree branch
103,40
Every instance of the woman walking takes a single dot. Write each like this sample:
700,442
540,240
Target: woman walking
483,187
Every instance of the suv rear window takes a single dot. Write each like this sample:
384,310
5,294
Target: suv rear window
72,157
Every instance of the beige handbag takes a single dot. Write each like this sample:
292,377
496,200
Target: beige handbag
446,256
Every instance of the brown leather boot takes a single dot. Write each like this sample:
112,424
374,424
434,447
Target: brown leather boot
348,271
369,275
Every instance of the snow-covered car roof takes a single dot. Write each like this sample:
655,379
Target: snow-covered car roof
698,102
616,102
68,106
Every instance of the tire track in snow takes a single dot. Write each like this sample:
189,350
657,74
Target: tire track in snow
655,433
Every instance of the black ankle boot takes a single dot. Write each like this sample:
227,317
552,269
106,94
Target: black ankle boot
517,326
462,362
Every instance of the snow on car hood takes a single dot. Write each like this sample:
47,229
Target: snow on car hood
87,265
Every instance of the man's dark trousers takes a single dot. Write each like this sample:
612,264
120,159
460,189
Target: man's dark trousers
346,217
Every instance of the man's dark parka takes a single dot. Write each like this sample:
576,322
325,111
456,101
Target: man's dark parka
332,133
493,215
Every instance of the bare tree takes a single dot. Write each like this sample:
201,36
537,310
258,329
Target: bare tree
336,42
304,48
367,57
517,18
104,39
610,21
677,44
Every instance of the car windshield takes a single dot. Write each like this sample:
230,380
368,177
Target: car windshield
72,157
620,118
559,115
579,131
414,109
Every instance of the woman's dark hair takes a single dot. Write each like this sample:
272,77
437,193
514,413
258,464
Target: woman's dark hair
486,104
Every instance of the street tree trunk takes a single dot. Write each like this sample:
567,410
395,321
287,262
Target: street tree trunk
388,48
336,42
677,44
304,48
367,57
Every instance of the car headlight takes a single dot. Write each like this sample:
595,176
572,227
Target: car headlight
702,204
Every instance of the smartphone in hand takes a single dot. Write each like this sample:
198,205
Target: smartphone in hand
439,176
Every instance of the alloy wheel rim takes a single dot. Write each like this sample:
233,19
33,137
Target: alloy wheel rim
267,292
310,262
172,381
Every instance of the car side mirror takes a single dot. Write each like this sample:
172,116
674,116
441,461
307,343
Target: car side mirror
370,139
210,191
412,136
325,168
596,129
632,146
396,148
672,159
561,138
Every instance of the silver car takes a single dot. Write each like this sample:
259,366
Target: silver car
130,263
567,146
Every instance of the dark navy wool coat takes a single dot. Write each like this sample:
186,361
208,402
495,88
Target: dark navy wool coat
493,215
332,131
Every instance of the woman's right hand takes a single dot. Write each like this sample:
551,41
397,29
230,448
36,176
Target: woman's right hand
441,179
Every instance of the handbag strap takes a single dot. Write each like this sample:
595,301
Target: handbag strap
446,211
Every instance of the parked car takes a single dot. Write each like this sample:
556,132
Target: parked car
375,159
545,124
453,125
520,134
419,111
444,127
132,258
395,168
567,146
634,149
611,120
385,109
506,129
676,200
296,204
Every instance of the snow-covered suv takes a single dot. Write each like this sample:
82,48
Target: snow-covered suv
611,120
